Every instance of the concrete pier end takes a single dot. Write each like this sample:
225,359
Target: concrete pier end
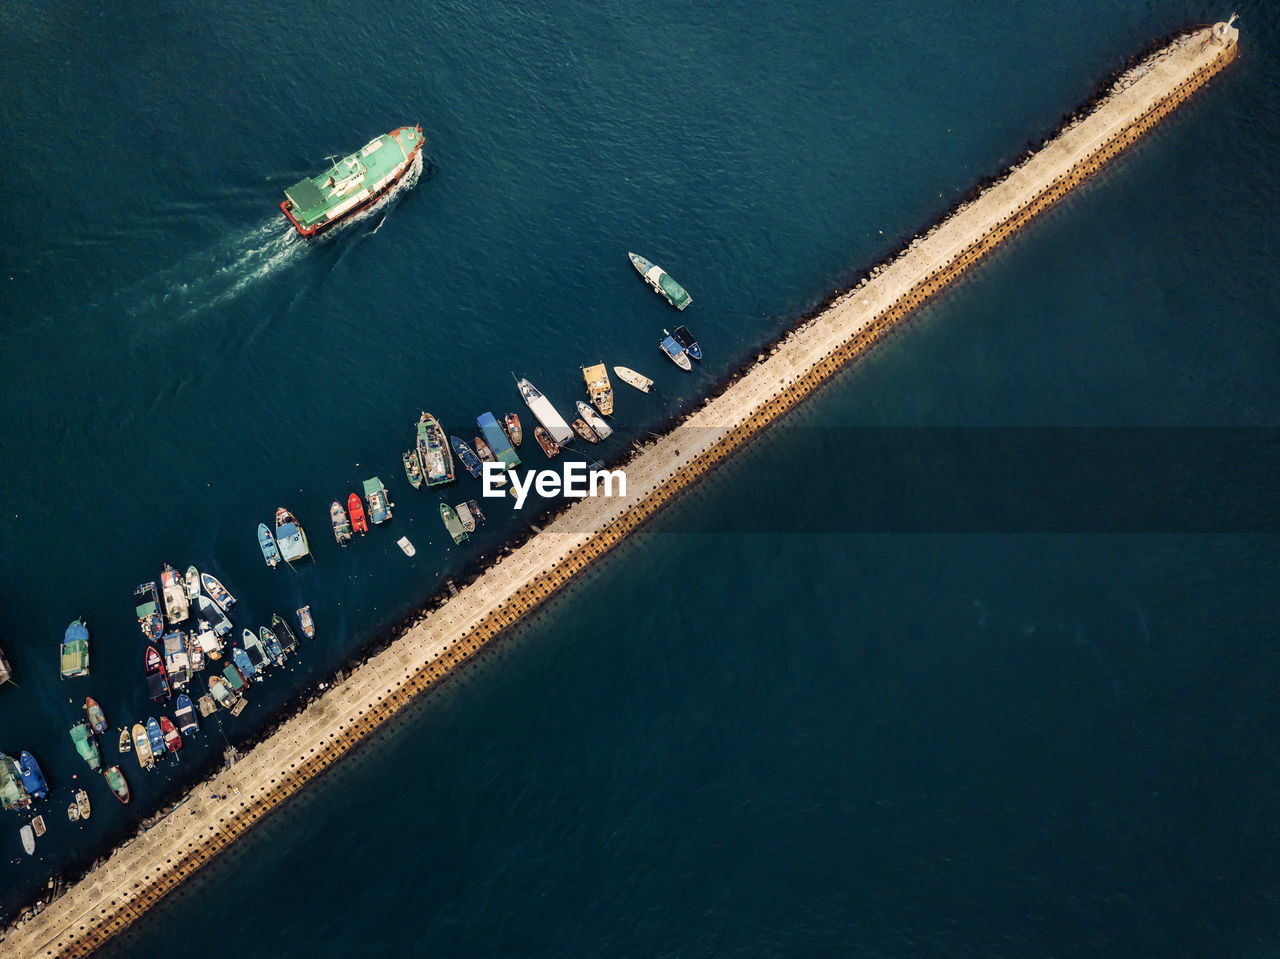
143,870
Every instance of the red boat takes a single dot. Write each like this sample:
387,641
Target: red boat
157,680
356,508
514,432
172,741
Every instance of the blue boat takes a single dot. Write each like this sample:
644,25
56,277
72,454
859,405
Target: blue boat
155,737
470,462
241,659
185,714
498,440
272,645
675,352
32,778
688,341
268,544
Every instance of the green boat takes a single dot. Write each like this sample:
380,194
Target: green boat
75,650
452,523
433,451
412,469
86,745
352,183
661,281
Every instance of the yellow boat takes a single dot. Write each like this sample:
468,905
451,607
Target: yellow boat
599,388
142,746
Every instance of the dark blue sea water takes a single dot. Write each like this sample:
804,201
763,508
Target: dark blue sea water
875,715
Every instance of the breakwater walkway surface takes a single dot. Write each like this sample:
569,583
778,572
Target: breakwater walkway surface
216,812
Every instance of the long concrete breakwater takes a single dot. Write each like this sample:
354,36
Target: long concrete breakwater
216,812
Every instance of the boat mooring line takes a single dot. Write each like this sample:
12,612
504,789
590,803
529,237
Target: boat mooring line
142,872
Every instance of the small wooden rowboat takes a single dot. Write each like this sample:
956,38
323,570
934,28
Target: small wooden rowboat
355,506
514,432
546,442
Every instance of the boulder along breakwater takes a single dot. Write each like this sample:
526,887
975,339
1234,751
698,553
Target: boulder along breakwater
220,809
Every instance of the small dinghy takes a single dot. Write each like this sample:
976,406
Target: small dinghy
585,431
115,779
192,583
217,592
213,615
288,639
675,352
37,825
28,839
341,525
185,714
172,740
125,745
546,442
595,420
633,379
307,624
470,461
82,803
662,282
97,718
73,812
406,547
465,517
452,523
267,542
412,468
355,506
514,432
475,510
271,643
686,339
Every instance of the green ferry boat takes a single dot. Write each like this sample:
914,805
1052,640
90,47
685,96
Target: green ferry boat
352,183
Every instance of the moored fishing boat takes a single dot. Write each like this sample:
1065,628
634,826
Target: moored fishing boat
157,681
290,537
222,692
499,442
206,639
37,824
412,468
267,543
73,812
674,352
306,622
549,446
545,413
174,590
661,281
86,745
599,388
33,780
465,517
234,674
452,523
119,786
97,718
82,803
353,183
254,651
375,494
470,462
125,745
177,662
271,644
195,652
341,525
486,456
687,340
192,579
633,379
6,673
475,510
28,839
217,592
185,714
146,603
12,793
585,431
356,508
75,650
172,739
214,616
288,639
595,420
155,738
514,430
406,547
142,746
433,451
